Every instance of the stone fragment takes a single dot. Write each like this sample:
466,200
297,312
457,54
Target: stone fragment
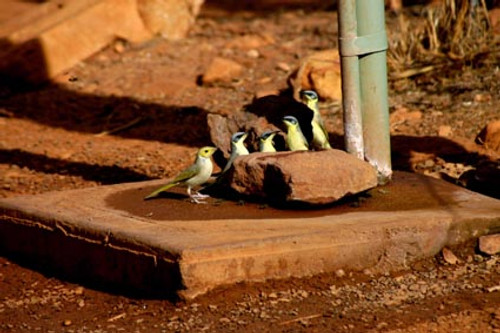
490,244
320,72
394,5
249,42
264,93
79,291
221,70
171,19
221,128
490,136
253,53
403,116
444,130
494,14
318,177
285,67
449,256
481,98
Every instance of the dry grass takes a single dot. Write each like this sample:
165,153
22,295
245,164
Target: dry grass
450,32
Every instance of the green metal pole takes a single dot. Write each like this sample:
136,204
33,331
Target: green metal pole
351,97
374,97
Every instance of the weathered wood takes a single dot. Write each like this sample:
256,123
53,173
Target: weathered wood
31,23
42,42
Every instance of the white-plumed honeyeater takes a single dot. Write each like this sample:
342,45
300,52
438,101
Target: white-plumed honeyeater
196,174
320,135
266,144
294,138
237,148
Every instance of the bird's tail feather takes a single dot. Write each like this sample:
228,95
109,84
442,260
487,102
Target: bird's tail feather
158,191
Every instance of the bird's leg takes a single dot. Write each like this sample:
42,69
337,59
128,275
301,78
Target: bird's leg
194,197
201,195
197,194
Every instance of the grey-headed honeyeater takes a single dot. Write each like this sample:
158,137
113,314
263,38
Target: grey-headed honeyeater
196,174
266,144
320,135
295,140
237,148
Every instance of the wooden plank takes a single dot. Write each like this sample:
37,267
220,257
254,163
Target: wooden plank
63,37
32,23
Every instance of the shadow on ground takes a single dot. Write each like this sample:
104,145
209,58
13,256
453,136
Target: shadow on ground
92,265
40,163
25,93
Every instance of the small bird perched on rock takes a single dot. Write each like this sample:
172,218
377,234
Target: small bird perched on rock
196,174
320,135
237,148
294,139
266,144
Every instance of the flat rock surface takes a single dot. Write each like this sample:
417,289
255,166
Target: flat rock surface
198,247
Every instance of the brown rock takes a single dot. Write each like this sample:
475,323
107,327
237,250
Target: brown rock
221,70
449,256
490,244
171,19
264,93
221,128
481,98
250,42
495,19
318,177
283,66
394,5
320,72
444,130
490,136
402,115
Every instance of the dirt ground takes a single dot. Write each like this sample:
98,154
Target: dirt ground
137,112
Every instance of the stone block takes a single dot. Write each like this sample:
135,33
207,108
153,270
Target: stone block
318,177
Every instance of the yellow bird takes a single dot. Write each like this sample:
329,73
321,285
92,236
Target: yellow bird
196,174
320,135
295,140
266,142
237,148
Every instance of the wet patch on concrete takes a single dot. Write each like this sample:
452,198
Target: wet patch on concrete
407,191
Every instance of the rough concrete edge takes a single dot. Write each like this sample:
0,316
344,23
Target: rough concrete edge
92,263
453,234
79,229
391,248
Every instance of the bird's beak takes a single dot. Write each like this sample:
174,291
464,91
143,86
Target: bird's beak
243,137
272,134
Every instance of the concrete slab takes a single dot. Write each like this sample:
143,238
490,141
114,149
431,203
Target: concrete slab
109,234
